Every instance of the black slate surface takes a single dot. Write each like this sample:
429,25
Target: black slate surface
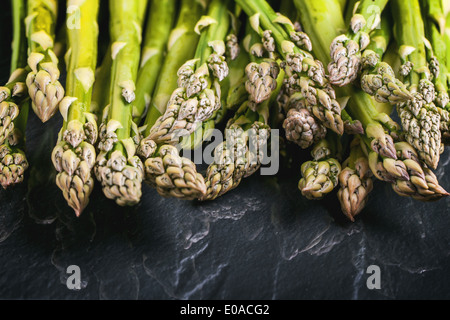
261,241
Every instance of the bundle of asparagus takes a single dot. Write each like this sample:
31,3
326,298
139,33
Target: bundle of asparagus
175,70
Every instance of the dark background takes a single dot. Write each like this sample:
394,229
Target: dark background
261,241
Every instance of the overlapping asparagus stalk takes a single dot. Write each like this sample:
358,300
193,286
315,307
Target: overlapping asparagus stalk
118,168
385,160
240,155
177,54
263,70
171,174
420,118
422,183
102,85
14,92
13,161
304,73
198,94
346,49
321,175
74,155
378,78
161,16
360,110
43,84
355,181
233,95
14,106
377,126
436,48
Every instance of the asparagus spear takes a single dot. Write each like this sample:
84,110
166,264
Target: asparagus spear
13,162
118,169
165,169
74,155
420,118
378,78
346,48
233,94
240,155
355,181
321,175
386,165
160,21
360,106
13,94
263,71
43,84
198,95
423,184
177,54
303,73
434,21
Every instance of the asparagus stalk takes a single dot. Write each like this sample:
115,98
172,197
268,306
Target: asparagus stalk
346,48
355,181
160,21
102,85
423,184
74,155
171,174
321,175
378,78
177,54
360,106
420,118
13,161
234,159
386,165
239,156
232,93
303,73
198,94
118,169
434,20
263,71
14,110
237,94
43,84
13,94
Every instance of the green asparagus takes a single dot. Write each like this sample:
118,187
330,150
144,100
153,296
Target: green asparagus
14,108
160,20
118,168
43,84
355,181
74,155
